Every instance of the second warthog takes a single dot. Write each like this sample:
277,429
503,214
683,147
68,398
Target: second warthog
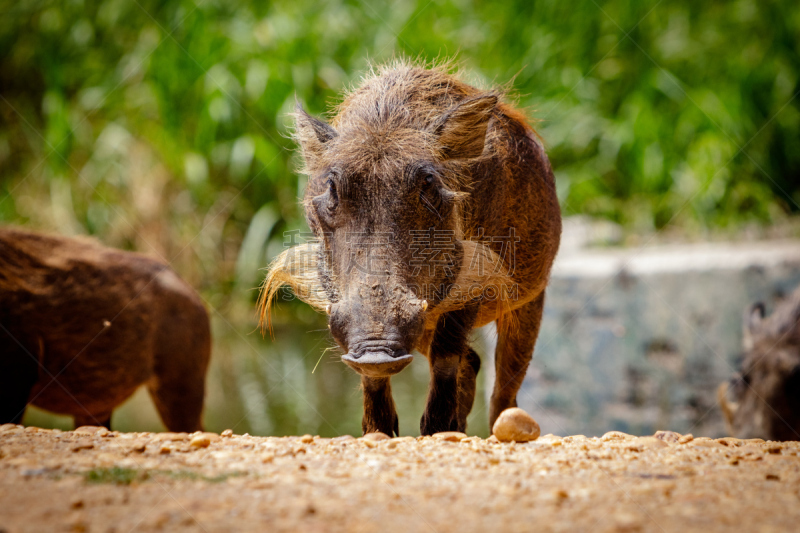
83,326
763,399
434,209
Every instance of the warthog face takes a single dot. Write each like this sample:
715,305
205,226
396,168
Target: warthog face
763,399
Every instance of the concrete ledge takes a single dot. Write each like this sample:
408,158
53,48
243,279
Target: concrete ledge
676,258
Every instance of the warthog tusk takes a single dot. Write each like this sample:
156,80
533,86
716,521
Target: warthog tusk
424,305
328,309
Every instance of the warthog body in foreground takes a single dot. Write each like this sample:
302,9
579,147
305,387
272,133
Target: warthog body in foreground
83,326
435,212
763,400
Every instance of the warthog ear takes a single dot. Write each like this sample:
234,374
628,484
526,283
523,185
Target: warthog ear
462,129
750,324
311,134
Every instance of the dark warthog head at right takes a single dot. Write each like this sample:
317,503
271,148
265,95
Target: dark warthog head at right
763,399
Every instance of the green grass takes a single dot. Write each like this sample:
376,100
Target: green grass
117,475
180,475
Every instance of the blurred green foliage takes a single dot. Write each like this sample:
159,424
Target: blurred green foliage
161,125
652,112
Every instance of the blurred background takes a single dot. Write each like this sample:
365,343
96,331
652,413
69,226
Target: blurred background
161,127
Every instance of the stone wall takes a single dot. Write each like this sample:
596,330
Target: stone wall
638,339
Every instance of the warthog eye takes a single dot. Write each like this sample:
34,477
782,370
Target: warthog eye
334,196
325,204
429,196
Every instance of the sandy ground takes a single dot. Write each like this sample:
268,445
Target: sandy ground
95,480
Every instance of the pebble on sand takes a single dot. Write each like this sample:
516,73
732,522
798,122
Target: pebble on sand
450,436
668,436
514,424
376,436
200,441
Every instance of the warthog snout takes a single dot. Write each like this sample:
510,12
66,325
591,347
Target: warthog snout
378,363
377,339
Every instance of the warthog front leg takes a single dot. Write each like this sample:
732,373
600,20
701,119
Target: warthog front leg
379,411
513,355
467,376
449,348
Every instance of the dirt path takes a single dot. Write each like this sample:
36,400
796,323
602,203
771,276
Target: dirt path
100,481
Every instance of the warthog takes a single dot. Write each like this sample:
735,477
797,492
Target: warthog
434,209
82,326
763,400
